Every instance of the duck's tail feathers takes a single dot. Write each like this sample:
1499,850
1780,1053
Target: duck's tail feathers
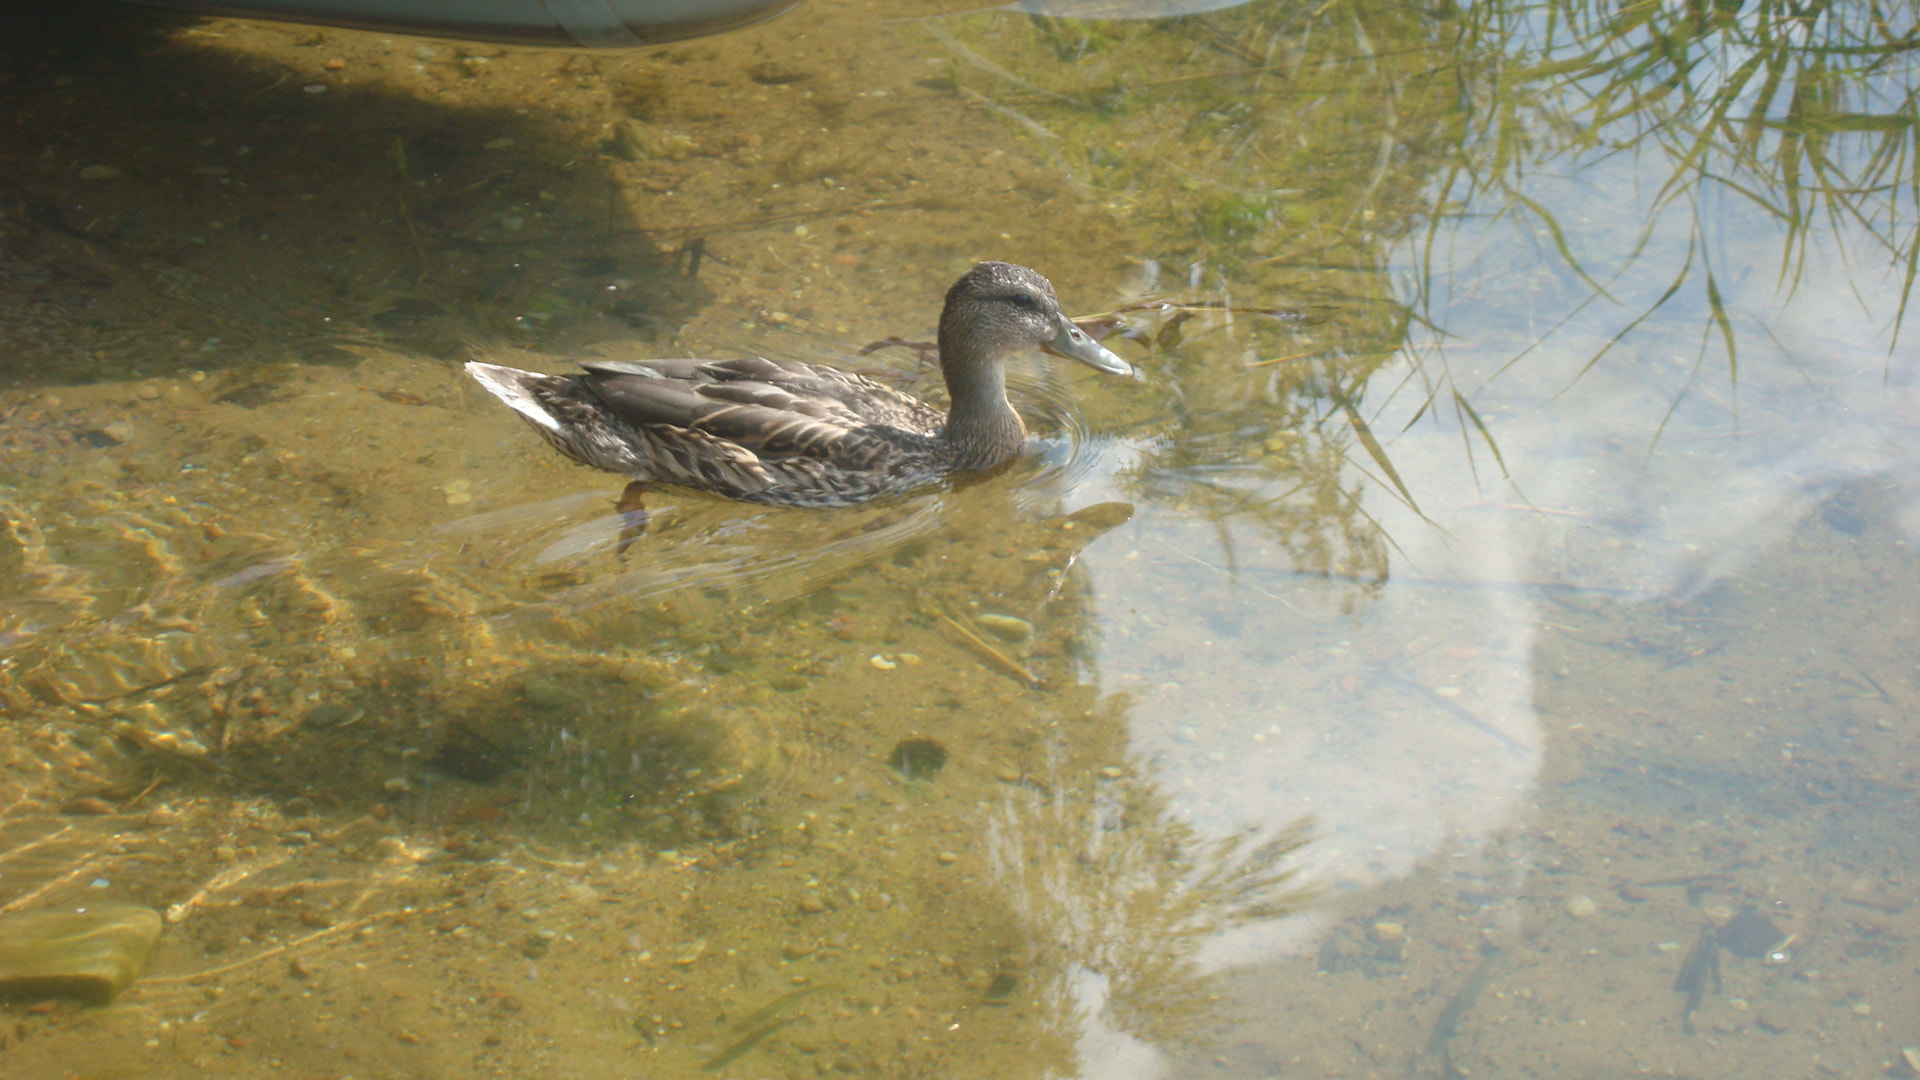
516,388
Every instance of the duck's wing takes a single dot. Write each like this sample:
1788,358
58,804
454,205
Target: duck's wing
775,409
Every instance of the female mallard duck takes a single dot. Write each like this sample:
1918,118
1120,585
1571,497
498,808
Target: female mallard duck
793,434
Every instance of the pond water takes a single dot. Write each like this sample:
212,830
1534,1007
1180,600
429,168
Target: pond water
1483,645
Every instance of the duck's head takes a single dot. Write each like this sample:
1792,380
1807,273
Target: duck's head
998,308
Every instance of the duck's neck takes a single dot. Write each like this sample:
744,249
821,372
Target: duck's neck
981,426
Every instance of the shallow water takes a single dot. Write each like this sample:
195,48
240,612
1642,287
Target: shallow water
1496,602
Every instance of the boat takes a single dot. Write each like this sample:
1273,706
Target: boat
579,24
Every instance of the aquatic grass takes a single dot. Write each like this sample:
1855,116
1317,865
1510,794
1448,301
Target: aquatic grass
1143,900
1289,150
1806,112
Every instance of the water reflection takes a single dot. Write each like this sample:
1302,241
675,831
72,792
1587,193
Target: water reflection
1498,590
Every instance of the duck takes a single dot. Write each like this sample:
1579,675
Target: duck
787,433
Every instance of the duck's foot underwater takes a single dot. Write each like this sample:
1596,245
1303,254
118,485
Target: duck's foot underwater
633,516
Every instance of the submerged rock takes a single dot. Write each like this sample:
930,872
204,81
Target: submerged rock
1006,627
90,954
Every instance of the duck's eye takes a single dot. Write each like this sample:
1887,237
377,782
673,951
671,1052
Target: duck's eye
1025,300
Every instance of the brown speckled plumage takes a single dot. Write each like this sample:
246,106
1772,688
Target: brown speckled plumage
793,434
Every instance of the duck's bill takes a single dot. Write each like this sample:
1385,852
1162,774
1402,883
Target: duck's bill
1075,344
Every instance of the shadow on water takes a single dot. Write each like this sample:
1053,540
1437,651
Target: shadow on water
170,205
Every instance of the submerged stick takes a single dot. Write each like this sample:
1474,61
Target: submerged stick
749,1041
761,1023
991,651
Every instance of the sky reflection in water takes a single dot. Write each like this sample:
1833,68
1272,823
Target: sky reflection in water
1638,444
